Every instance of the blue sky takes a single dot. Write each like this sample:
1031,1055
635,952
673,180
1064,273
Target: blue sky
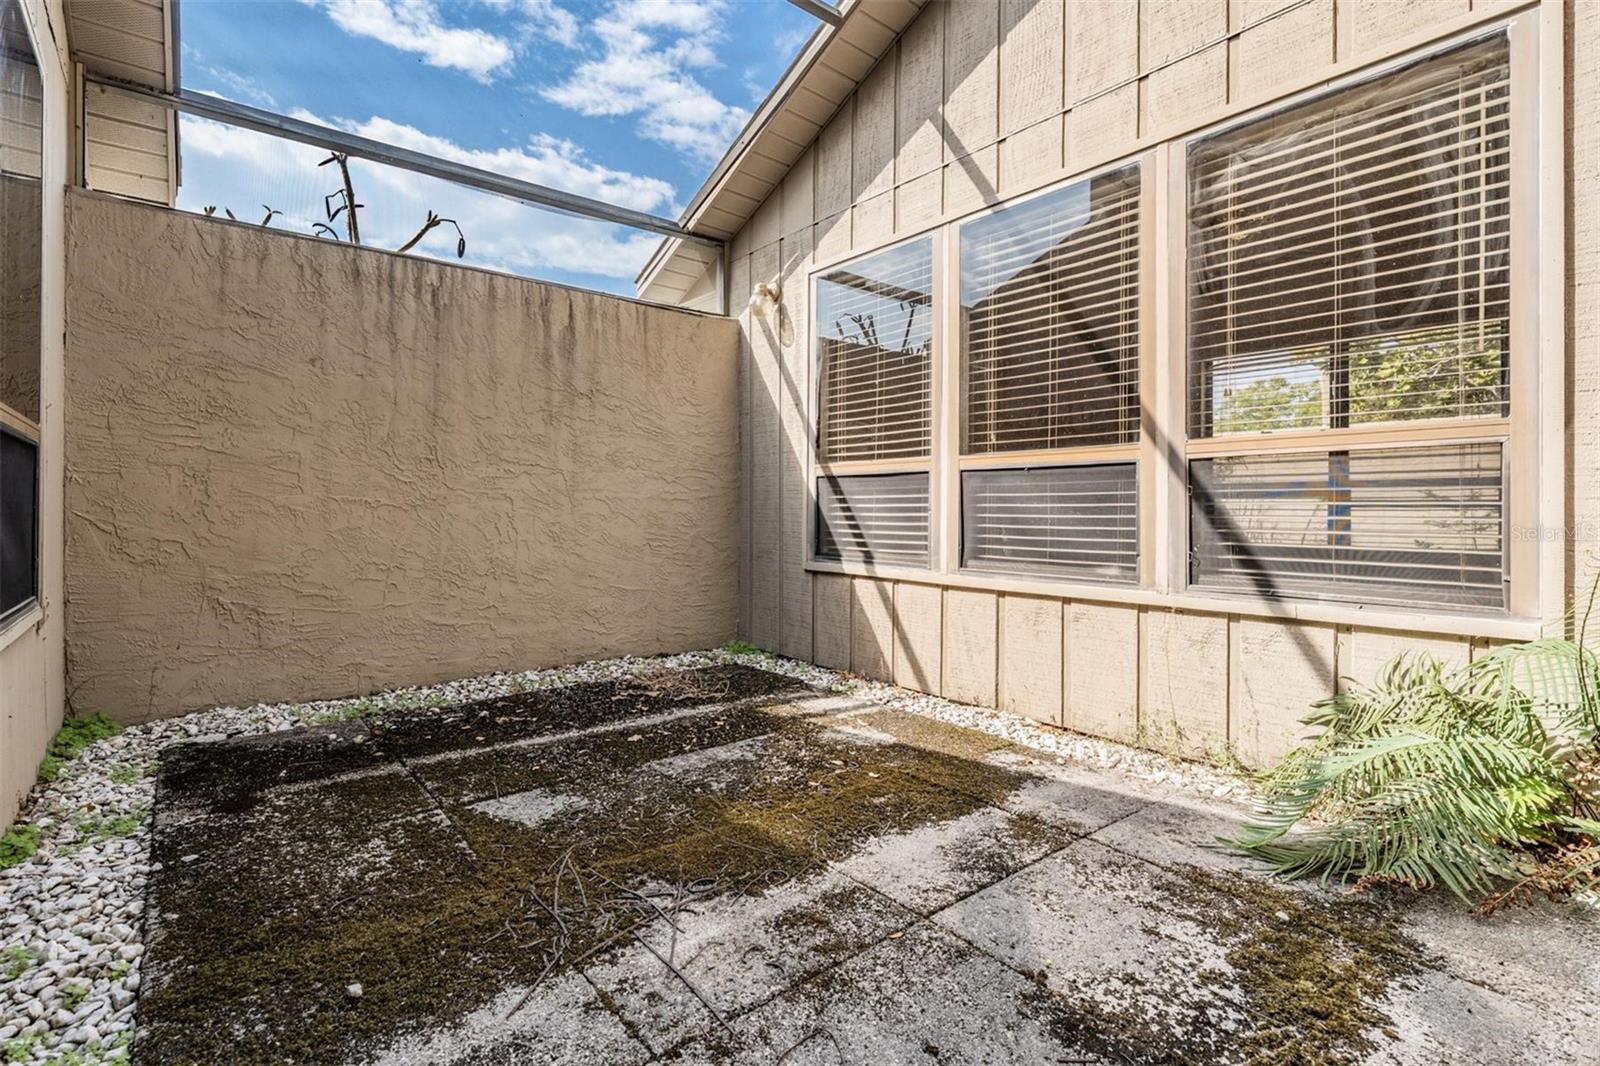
630,101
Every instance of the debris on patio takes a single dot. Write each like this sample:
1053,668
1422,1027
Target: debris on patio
691,859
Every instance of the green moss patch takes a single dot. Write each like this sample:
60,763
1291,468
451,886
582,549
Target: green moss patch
74,735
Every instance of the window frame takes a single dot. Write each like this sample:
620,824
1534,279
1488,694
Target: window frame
1537,566
14,423
816,469
1516,433
1136,452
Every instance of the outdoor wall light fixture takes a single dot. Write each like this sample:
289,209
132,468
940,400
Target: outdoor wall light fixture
764,298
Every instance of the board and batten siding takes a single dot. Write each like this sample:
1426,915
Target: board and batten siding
981,100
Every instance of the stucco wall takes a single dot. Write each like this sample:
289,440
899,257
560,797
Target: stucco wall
297,469
31,670
981,100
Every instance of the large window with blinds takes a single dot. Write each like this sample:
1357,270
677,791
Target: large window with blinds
1050,383
1349,345
874,327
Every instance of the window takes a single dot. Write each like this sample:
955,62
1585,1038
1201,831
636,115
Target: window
874,329
1051,416
21,218
1349,307
1384,526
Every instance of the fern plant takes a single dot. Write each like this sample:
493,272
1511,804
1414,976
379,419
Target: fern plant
1481,779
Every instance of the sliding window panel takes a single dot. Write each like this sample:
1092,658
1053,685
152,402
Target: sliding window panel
1415,526
1079,522
1050,319
874,323
1349,258
873,518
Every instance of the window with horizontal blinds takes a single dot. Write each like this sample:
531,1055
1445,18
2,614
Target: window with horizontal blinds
874,323
1073,521
1349,258
1414,526
873,518
1050,319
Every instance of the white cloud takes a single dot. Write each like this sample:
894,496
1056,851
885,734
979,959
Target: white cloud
415,26
548,19
237,168
649,50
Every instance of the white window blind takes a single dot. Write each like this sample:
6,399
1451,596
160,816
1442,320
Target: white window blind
873,518
1349,258
874,322
1073,521
1050,315
1416,526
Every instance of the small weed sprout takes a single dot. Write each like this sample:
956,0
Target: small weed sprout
19,844
16,960
98,828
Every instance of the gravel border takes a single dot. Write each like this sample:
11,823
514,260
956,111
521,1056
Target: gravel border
71,938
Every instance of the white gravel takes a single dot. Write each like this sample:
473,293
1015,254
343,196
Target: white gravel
72,926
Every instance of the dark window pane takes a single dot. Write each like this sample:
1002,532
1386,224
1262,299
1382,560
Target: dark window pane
1074,521
880,518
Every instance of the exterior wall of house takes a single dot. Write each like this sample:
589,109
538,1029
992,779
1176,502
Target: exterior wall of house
981,100
298,469
31,657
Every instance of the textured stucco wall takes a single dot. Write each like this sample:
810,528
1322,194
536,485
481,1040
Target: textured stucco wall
983,100
297,469
32,677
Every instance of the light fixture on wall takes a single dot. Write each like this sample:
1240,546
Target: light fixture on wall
764,298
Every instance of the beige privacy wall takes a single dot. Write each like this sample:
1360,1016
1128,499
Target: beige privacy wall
297,469
980,100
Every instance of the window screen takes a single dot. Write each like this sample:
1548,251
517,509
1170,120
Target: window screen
879,518
1076,521
874,334
1050,311
1349,258
1405,526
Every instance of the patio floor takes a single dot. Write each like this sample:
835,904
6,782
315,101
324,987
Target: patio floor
721,865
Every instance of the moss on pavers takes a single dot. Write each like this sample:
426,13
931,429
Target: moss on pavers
256,938
551,711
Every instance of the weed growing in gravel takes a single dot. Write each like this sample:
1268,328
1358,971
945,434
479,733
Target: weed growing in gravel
128,773
343,712
75,735
72,996
21,1048
741,647
18,844
95,1054
96,828
17,959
